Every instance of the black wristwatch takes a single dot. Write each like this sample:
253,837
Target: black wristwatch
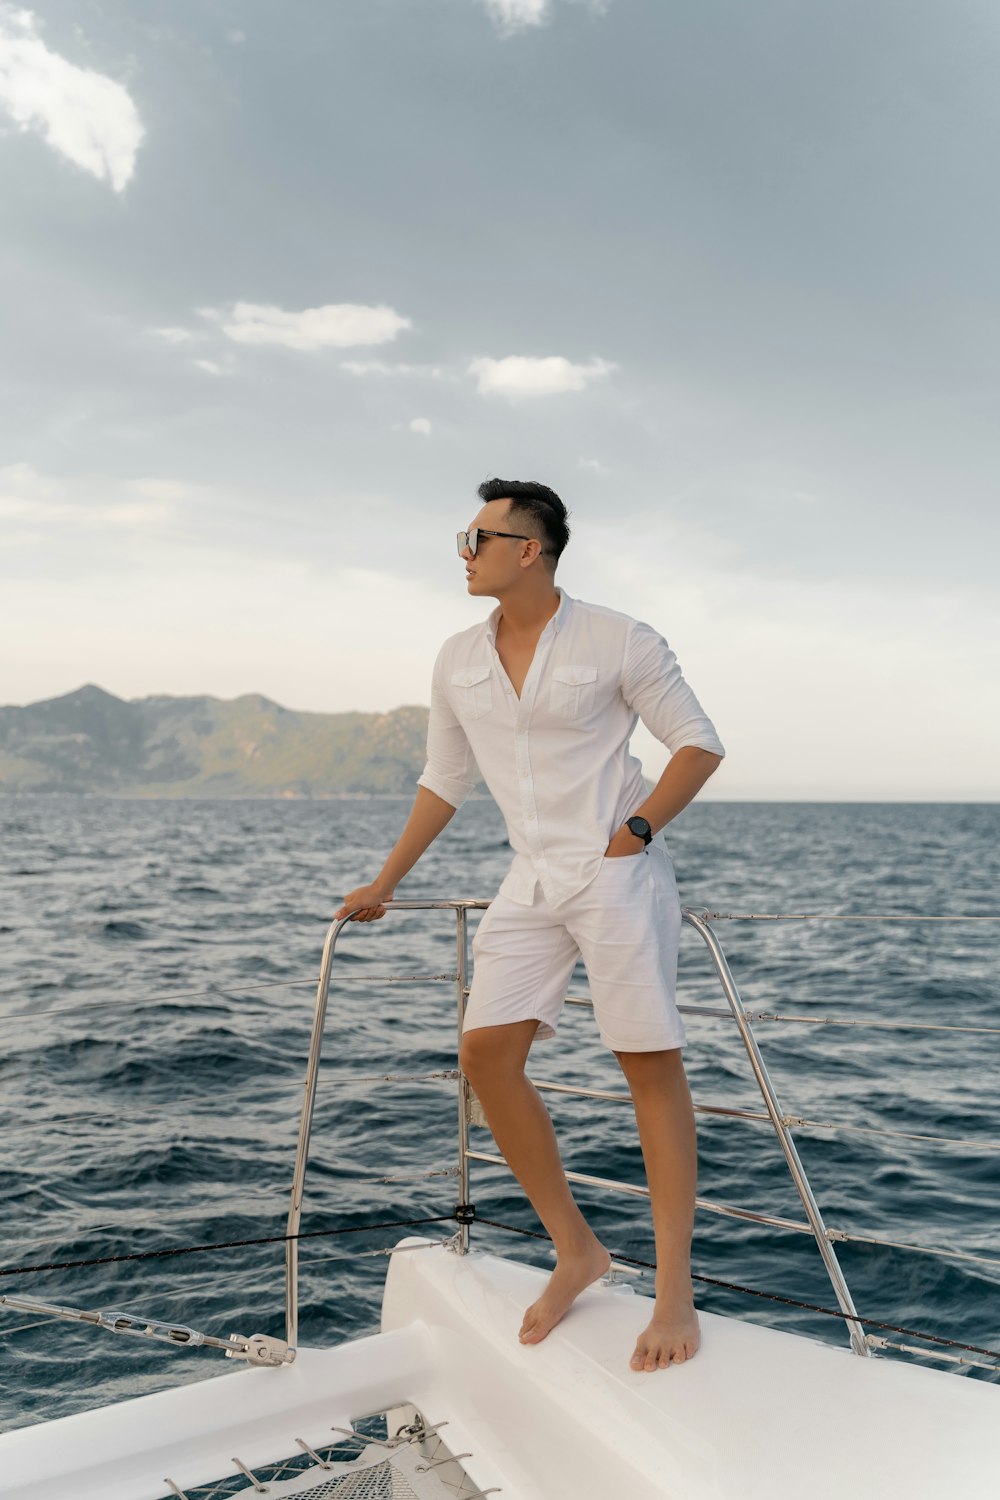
640,828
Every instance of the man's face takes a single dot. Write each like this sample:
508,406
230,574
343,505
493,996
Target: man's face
496,566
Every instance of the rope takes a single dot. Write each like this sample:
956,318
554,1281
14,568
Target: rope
834,916
732,1286
271,1239
277,1239
767,1015
83,1231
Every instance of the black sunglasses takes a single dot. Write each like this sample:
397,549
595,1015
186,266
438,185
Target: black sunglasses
470,539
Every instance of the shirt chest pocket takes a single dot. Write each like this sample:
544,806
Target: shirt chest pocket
573,690
472,691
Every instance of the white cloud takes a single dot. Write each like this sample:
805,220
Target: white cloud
421,424
380,367
516,15
174,335
26,496
510,16
84,115
337,324
594,464
211,367
520,375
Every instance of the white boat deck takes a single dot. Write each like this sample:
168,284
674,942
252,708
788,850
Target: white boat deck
756,1414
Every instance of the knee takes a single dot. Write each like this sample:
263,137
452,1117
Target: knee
651,1070
484,1058
474,1056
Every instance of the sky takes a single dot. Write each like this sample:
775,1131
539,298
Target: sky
282,283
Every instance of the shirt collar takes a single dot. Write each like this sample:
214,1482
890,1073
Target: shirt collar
556,623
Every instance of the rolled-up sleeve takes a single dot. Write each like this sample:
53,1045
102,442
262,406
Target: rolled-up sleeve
450,772
654,688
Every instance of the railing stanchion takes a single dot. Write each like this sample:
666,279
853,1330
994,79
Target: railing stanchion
859,1343
309,1099
462,967
305,1129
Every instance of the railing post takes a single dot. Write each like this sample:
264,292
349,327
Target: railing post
461,909
461,968
859,1343
305,1129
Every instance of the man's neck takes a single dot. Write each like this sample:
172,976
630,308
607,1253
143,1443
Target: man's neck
523,617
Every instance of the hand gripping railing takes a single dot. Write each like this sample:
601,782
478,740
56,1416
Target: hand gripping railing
699,921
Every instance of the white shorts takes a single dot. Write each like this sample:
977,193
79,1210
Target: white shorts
626,927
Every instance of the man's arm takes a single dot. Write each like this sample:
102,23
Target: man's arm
429,815
683,778
654,686
442,787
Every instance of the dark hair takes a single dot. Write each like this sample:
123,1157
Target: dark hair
528,498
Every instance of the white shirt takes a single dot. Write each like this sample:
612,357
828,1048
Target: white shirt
557,759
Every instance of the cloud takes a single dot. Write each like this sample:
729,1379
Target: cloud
212,367
421,424
517,15
380,367
337,324
594,464
519,375
84,115
26,496
510,16
174,335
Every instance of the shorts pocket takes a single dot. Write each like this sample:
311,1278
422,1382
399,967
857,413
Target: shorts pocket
573,691
640,857
472,691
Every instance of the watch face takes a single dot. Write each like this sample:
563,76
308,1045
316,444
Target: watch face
640,827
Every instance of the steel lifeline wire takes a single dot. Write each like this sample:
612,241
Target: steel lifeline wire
466,1213
830,1312
269,1239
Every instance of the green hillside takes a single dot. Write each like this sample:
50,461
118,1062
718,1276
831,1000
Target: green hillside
91,741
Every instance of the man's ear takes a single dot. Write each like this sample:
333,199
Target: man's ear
531,549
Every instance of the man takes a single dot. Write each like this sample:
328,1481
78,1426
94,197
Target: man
544,696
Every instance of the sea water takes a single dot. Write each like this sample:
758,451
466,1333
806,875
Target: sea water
156,992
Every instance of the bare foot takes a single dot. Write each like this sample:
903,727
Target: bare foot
571,1275
672,1336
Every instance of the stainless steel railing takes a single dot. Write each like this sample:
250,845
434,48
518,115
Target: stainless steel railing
699,921
460,908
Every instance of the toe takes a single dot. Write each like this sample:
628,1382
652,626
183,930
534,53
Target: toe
530,1328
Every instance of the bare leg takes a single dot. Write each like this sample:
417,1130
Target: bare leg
493,1059
665,1118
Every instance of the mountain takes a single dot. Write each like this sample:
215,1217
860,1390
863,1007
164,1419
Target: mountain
91,741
